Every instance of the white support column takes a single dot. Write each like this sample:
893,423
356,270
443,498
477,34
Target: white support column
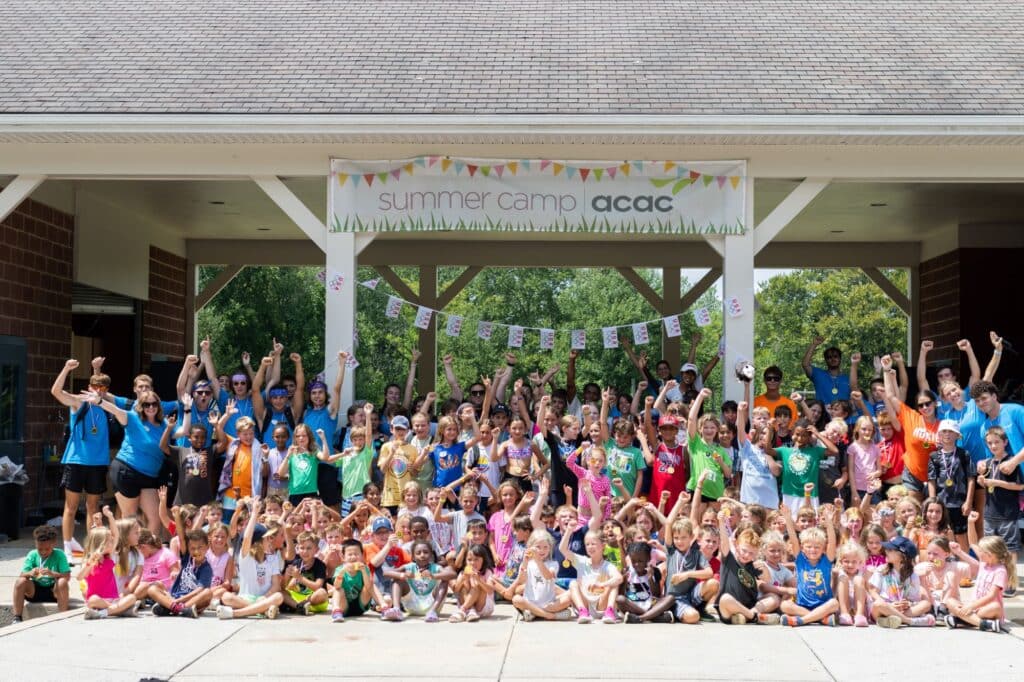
738,281
340,313
17,191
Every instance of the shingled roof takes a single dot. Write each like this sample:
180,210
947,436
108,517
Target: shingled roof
709,57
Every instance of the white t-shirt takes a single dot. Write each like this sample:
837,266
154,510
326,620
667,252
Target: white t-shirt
587,574
255,578
538,590
485,460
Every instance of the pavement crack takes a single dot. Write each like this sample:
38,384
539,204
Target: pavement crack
508,645
204,652
817,657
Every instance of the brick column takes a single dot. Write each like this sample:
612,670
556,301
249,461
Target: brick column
163,318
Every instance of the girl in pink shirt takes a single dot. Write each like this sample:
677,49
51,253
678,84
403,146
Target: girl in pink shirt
101,597
159,564
600,484
500,523
995,568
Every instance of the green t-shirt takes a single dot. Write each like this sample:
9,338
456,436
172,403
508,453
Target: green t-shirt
799,467
700,461
352,586
355,472
56,562
302,473
625,463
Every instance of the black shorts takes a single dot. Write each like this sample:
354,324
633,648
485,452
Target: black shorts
79,478
525,483
327,484
42,595
957,520
130,482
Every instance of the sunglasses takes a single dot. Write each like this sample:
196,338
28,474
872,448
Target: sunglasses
203,392
773,378
97,387
477,392
926,404
239,383
145,405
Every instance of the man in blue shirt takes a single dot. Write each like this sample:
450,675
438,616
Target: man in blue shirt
830,384
1010,417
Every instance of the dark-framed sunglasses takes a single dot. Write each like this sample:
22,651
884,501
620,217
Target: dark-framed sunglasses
926,403
150,404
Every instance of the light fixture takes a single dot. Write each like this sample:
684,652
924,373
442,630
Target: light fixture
837,231
878,204
263,229
217,203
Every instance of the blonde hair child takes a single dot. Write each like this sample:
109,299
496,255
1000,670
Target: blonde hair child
850,585
101,595
540,597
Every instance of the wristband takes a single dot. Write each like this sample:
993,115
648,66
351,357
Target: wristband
997,352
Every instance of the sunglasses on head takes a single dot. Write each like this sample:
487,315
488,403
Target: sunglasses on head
144,405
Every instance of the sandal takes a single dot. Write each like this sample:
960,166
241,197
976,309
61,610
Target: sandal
457,617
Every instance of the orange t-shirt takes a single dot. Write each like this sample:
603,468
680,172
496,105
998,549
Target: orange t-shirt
241,472
919,438
764,401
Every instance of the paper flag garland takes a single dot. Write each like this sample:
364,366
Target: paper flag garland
702,316
515,337
454,326
321,276
721,347
485,330
733,307
672,328
394,307
423,315
351,362
371,284
547,339
640,334
336,282
579,339
610,336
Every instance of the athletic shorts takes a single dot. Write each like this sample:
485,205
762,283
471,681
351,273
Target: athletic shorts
912,483
42,595
1007,530
685,602
957,520
130,482
79,478
300,597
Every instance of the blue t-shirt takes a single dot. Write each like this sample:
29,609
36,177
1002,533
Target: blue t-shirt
273,420
447,462
320,418
813,582
969,419
1011,419
199,418
827,387
141,448
191,577
576,546
243,405
758,486
127,404
89,442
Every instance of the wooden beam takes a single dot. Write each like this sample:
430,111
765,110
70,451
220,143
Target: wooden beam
889,289
789,208
400,287
364,239
427,370
716,242
191,282
671,281
214,286
253,252
914,323
293,208
642,287
457,286
698,289
17,191
837,254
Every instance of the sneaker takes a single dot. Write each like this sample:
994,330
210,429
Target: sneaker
393,614
950,621
133,612
176,609
457,617
630,619
528,616
927,621
273,611
225,612
564,614
860,621
584,617
214,603
892,622
791,621
831,621
609,617
738,619
189,612
768,618
941,611
92,614
17,619
667,617
845,619
990,625
337,617
1010,591
161,610
472,616
305,608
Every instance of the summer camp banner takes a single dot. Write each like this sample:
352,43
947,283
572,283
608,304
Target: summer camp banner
431,193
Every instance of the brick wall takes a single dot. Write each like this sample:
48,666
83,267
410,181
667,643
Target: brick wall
940,308
163,326
36,259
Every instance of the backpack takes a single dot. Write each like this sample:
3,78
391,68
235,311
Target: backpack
265,423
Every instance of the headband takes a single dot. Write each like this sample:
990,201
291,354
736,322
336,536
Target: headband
278,392
313,385
240,377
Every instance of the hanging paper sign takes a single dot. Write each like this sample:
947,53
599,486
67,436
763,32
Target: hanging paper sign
321,276
394,307
485,330
702,316
547,339
672,328
423,315
721,347
610,336
579,339
351,362
454,326
640,333
336,281
733,307
371,283
515,337
542,195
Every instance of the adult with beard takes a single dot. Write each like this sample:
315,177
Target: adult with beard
830,384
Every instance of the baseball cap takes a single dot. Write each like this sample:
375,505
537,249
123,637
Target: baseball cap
902,545
258,532
399,422
949,425
381,523
501,407
668,420
689,367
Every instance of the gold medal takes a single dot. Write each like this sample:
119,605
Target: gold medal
671,470
835,391
566,563
949,482
991,489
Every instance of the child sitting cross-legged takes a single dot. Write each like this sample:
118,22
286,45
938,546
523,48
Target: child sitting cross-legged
737,597
304,579
420,585
191,592
353,585
815,552
259,585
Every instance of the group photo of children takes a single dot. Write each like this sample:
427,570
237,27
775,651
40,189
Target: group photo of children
255,493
